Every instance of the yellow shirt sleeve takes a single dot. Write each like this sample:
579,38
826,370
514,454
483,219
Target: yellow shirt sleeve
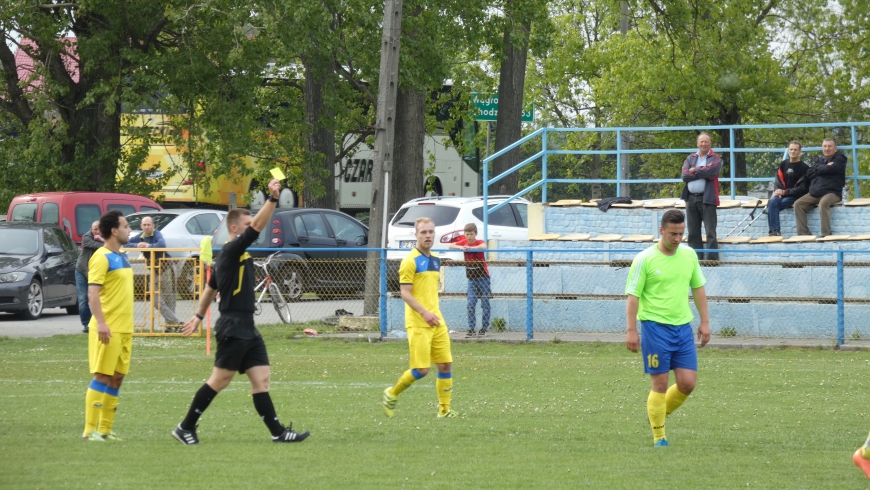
98,266
407,270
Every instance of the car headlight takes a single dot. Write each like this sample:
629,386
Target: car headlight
13,277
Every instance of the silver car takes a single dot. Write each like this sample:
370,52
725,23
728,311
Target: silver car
181,228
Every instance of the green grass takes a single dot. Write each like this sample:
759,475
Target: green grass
532,416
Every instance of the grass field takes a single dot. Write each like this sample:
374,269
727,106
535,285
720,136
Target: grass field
556,415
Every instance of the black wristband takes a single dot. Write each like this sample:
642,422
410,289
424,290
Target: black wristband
273,199
199,316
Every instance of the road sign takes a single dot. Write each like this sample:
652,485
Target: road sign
486,108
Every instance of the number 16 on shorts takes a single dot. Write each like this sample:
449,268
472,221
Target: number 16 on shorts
652,361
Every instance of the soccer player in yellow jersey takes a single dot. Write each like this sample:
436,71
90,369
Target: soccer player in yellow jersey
657,284
428,338
110,332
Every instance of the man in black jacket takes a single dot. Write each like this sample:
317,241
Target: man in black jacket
90,242
827,178
789,186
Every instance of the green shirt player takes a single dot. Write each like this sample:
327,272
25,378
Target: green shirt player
657,288
428,337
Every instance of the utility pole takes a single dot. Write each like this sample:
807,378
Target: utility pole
625,189
385,132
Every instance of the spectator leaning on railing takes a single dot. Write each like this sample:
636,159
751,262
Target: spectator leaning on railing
165,299
827,178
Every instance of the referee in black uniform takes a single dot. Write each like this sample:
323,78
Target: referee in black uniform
239,345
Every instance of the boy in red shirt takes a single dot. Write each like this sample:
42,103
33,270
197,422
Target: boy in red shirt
478,278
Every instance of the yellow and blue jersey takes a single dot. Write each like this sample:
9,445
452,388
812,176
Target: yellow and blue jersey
423,274
112,271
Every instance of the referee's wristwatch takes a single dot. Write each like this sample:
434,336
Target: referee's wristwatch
273,199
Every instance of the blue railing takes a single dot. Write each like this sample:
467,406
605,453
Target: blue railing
619,152
585,280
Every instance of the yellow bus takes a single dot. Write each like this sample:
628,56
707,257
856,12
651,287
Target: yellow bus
187,187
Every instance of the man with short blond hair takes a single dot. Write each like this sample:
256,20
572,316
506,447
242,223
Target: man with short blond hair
428,338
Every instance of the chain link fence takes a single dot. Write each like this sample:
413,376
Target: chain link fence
751,292
166,293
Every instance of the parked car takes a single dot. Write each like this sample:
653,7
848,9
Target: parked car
328,273
74,212
37,269
181,228
450,215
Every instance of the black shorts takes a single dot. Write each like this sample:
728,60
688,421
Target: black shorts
240,354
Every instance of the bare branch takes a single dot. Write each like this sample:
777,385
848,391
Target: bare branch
356,84
345,150
763,14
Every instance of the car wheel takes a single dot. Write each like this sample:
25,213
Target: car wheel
291,282
35,301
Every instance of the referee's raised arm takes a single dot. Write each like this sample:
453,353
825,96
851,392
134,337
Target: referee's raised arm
261,219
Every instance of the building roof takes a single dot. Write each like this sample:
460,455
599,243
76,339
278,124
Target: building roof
27,67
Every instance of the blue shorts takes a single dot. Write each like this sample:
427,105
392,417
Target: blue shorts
667,347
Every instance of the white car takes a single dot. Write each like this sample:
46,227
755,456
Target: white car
181,228
450,215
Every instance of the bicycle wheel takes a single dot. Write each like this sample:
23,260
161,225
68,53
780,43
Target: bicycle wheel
279,303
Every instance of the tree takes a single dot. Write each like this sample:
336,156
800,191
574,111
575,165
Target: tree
511,55
199,62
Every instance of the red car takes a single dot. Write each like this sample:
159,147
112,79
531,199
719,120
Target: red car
74,211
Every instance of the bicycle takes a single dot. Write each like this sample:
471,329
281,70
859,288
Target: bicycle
267,284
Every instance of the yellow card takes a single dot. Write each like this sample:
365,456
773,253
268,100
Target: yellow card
277,173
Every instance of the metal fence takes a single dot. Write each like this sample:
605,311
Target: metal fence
166,290
550,144
752,292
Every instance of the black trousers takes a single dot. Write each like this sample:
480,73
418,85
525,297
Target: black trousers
696,212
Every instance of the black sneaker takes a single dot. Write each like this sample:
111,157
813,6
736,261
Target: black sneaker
774,233
482,333
85,330
185,436
289,436
470,333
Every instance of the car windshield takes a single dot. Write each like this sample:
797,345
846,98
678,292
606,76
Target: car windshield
440,215
18,242
160,220
222,234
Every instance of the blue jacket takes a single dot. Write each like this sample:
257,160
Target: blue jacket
155,241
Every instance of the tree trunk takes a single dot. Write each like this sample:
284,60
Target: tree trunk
511,82
318,190
730,116
101,133
406,181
